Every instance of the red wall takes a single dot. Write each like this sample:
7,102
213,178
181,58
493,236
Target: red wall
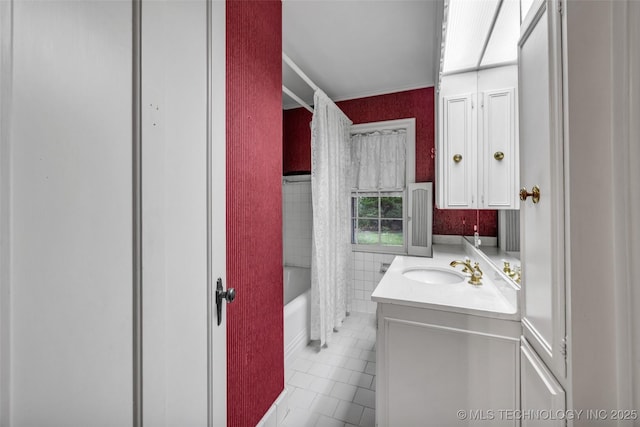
417,103
255,365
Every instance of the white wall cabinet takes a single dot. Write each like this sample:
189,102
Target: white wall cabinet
433,363
541,393
478,140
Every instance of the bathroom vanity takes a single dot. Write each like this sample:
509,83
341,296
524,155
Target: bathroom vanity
448,351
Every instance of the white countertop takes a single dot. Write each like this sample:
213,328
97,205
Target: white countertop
486,300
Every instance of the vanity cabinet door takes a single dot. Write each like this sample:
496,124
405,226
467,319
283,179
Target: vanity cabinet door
433,374
541,164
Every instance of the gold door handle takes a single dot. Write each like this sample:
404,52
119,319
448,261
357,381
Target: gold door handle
457,158
498,155
535,194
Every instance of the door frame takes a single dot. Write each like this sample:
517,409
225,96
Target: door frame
216,209
6,31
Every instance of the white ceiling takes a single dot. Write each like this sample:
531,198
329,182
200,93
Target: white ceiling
357,48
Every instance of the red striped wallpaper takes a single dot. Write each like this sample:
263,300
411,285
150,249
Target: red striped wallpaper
416,103
255,365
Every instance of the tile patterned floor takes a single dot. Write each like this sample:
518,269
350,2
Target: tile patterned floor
336,386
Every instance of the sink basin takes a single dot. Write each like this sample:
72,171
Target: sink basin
434,275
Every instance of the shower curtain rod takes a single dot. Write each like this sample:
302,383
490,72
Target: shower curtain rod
297,98
303,76
299,72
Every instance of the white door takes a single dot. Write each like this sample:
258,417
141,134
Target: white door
541,164
109,247
178,312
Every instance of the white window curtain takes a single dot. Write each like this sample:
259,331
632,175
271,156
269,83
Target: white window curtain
378,160
330,190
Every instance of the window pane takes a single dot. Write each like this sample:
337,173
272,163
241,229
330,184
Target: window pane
391,232
368,207
391,207
354,230
367,233
354,207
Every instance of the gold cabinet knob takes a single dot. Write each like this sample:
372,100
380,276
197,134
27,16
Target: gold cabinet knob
535,194
457,158
498,155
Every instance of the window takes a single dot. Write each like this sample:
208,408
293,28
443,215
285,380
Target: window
383,163
378,218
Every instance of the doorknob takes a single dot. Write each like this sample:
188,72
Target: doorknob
457,158
535,194
228,295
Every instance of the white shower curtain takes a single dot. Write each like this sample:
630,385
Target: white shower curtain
330,193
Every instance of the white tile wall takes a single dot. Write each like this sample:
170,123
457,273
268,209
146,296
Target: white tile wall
297,229
365,277
297,223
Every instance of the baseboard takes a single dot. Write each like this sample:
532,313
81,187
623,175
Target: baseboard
299,342
445,239
276,413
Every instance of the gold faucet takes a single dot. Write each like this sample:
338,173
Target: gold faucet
515,274
467,265
476,273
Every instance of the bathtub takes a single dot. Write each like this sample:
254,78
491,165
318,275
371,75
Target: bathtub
297,309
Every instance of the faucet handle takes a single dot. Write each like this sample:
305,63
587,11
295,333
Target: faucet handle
476,267
476,275
507,267
515,274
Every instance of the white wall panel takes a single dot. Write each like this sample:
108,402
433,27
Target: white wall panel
71,222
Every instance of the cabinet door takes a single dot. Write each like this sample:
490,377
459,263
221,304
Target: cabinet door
429,372
498,150
459,151
541,164
539,389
